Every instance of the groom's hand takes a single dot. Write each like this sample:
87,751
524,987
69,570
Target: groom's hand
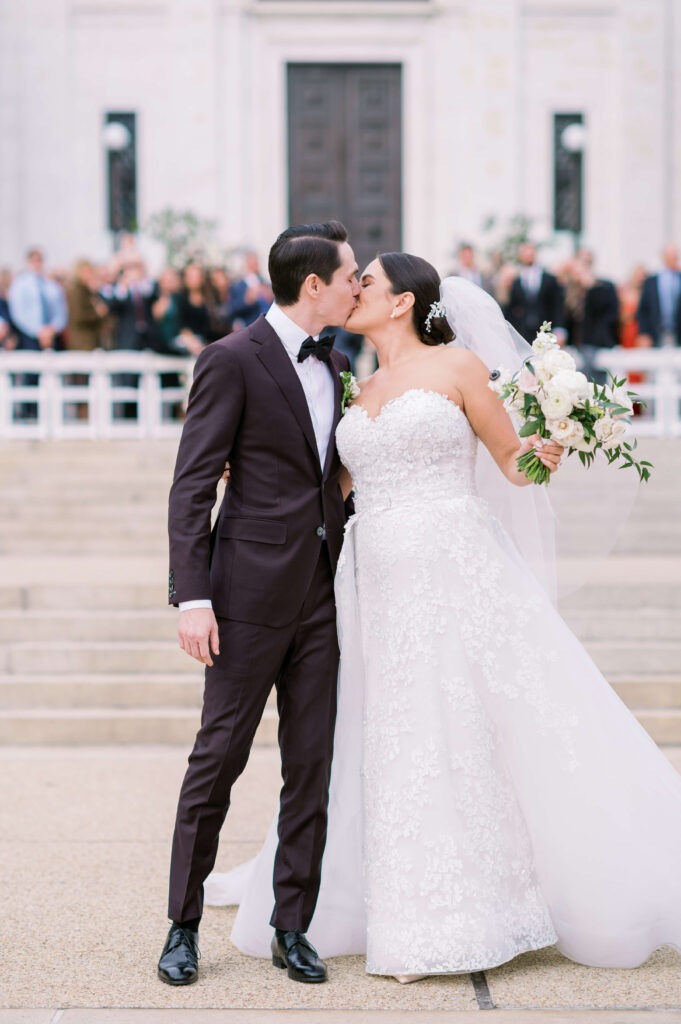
197,630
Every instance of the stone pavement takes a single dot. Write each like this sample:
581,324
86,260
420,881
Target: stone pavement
84,844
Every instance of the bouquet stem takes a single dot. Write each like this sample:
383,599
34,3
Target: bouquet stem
533,468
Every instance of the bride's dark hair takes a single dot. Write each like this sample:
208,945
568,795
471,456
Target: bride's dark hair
412,274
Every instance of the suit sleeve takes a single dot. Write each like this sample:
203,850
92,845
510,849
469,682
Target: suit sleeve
214,413
558,318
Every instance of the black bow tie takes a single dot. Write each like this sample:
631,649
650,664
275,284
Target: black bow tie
321,349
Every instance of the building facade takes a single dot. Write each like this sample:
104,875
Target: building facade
413,120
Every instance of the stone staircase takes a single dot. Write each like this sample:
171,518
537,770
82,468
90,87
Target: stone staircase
88,651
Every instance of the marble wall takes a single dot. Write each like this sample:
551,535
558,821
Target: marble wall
482,80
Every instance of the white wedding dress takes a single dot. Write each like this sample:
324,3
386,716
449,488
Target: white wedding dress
490,793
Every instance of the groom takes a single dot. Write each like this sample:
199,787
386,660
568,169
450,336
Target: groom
256,595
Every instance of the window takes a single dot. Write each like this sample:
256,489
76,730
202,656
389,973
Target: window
569,135
120,139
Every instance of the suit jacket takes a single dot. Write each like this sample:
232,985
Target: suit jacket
649,314
601,316
247,405
528,312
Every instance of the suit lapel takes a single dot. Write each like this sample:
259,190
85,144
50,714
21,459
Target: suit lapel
277,362
334,366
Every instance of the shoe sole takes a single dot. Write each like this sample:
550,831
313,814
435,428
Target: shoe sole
293,975
169,981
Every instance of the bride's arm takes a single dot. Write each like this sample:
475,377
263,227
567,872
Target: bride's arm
345,481
490,421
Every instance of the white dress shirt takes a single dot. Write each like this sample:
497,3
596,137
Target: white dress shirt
531,278
317,384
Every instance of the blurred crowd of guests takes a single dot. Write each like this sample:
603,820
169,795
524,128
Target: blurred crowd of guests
117,305
587,311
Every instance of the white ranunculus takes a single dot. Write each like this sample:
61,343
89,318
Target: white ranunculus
573,382
556,360
565,431
558,403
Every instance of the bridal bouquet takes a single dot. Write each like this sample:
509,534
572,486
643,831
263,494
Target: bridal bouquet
551,398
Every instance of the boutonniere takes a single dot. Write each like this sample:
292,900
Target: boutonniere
350,389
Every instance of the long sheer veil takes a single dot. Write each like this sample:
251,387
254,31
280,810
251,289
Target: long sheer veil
561,530
525,512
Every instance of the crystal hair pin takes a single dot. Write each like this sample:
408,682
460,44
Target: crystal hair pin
437,309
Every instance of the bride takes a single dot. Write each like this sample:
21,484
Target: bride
490,793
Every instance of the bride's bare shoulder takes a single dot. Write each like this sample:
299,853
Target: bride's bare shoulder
456,359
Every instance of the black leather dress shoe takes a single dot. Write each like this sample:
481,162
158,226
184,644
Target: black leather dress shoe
292,951
179,963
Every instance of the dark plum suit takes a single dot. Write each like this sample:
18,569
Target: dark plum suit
268,568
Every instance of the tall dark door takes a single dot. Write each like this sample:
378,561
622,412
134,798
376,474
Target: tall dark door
345,151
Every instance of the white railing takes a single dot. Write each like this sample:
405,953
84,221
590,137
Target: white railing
78,395
660,388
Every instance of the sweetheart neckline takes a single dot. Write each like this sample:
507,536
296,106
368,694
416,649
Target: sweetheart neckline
409,391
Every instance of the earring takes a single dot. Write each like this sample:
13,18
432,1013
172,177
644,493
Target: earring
393,314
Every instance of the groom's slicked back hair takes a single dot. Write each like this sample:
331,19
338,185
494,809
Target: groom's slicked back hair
303,250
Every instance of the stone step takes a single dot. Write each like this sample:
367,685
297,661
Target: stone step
643,656
50,597
662,724
160,623
91,727
78,625
95,726
623,624
58,658
130,690
107,689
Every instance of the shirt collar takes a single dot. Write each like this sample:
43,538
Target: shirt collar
290,334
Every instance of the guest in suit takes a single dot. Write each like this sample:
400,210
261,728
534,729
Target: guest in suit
87,311
599,327
467,267
250,296
256,596
130,300
535,296
659,311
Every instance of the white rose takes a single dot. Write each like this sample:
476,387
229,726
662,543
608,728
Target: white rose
616,432
558,403
556,360
583,445
573,383
355,390
565,431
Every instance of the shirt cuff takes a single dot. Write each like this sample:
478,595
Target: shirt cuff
185,606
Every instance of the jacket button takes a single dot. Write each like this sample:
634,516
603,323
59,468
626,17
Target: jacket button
321,531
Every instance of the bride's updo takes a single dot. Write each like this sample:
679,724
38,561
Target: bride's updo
412,274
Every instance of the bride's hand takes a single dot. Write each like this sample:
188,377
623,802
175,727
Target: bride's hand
548,452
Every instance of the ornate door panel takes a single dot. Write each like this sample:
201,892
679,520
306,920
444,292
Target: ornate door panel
345,151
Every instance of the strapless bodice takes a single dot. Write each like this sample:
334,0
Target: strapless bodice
418,450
